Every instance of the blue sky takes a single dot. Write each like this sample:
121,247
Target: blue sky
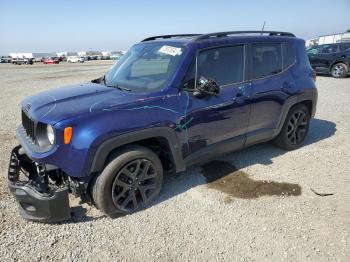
44,26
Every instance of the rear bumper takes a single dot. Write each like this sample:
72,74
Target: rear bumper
38,200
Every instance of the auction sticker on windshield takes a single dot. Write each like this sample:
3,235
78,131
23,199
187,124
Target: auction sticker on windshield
170,50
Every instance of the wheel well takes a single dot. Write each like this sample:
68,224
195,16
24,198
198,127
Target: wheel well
308,104
339,62
158,145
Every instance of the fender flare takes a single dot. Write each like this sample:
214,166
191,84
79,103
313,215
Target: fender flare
110,144
309,95
339,60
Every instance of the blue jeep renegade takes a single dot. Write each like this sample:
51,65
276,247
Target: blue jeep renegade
170,102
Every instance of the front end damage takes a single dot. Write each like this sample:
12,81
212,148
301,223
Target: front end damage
42,194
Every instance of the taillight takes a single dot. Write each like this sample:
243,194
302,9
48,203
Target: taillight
314,75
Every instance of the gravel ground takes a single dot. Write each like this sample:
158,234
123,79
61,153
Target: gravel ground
201,215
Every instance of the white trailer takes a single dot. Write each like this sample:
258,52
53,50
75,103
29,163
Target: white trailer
329,39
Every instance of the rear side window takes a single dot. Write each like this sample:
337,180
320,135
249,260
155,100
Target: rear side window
224,64
345,47
267,59
329,49
288,55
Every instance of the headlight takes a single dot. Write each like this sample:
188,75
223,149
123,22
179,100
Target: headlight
50,134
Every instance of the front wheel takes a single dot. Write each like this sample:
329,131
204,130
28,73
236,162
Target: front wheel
339,70
130,182
295,128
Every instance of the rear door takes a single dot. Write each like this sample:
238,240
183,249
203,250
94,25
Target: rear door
328,54
315,56
271,85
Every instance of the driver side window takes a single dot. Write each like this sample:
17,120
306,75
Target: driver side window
314,50
225,65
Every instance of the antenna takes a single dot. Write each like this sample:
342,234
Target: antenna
263,27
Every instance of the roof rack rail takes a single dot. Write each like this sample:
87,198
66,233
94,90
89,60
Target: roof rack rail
222,34
167,36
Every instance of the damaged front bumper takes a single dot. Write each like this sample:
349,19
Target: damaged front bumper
39,197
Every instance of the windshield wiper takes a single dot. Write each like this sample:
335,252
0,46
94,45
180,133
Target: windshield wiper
120,88
115,86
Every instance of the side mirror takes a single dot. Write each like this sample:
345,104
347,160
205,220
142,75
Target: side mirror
206,86
98,80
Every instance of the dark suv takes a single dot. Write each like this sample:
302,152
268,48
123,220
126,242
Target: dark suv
170,102
331,58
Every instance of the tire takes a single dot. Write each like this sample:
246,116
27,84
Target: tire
339,70
295,128
121,189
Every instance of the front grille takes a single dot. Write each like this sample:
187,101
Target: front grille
29,126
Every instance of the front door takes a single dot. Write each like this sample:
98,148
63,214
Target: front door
217,118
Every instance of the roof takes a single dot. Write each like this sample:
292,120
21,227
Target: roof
218,36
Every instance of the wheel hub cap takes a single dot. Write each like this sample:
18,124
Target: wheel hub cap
338,70
135,185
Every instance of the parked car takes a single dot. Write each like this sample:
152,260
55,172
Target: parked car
51,60
22,61
332,59
115,56
75,59
5,59
38,59
168,103
61,58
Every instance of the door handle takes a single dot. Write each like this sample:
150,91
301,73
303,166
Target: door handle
241,93
235,100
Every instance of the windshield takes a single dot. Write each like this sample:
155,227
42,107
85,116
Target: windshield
146,67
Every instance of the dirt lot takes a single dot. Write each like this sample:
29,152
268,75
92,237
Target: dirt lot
256,204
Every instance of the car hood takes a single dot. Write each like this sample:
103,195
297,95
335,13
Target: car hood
71,101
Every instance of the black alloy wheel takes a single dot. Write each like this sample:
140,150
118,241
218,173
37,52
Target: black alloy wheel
130,181
135,184
296,129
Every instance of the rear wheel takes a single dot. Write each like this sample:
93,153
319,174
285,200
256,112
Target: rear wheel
130,182
339,70
295,128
